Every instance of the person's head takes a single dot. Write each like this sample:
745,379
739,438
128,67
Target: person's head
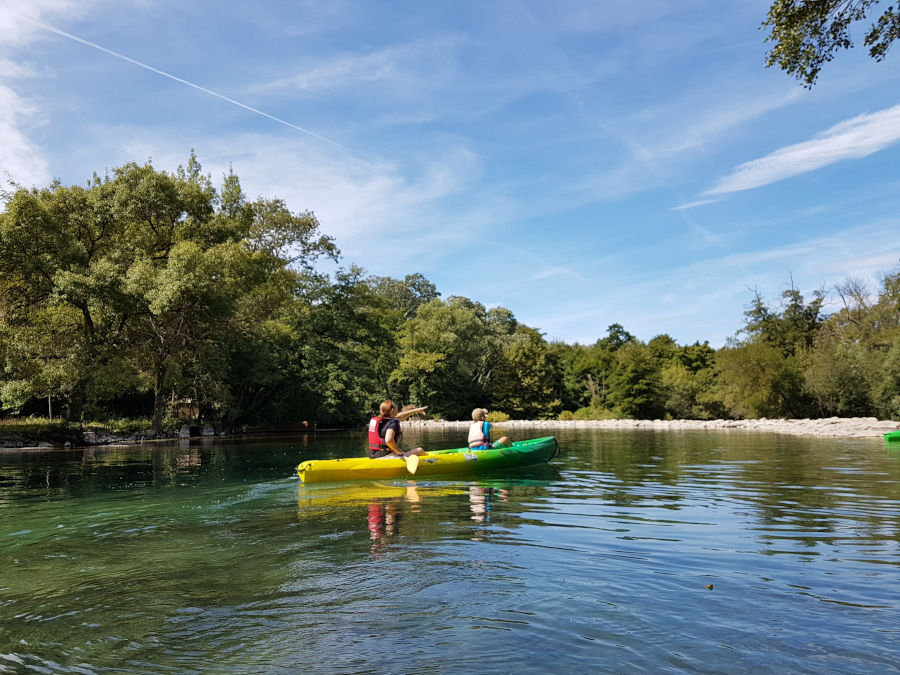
479,414
387,408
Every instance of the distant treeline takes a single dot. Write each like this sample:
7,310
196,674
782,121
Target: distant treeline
154,294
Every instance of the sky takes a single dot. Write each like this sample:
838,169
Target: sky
579,162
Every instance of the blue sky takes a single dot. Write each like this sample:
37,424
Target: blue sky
581,163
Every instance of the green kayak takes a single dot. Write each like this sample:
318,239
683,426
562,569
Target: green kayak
457,462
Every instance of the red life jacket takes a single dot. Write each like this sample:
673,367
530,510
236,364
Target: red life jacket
376,442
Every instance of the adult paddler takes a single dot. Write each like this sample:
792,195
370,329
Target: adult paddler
385,433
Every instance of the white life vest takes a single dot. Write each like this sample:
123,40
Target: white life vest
479,434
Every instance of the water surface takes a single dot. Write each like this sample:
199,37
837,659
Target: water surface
632,551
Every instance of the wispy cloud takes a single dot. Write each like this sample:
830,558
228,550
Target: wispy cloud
20,160
691,205
419,63
705,299
180,80
557,271
16,18
851,139
660,137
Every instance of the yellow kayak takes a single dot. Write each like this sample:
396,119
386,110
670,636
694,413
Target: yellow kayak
457,462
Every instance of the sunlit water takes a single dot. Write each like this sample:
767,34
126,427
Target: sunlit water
631,552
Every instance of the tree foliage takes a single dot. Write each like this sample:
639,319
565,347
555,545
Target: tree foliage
136,281
150,291
807,34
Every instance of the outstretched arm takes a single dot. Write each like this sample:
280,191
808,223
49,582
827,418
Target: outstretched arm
407,413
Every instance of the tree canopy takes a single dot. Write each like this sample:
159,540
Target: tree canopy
147,293
807,34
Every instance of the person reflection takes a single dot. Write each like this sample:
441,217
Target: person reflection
383,523
384,517
481,500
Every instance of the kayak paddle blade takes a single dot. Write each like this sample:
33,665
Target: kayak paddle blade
412,463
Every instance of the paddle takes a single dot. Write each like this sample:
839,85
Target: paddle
412,463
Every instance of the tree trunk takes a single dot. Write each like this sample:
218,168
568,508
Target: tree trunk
75,409
159,399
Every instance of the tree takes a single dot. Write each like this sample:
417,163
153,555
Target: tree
635,387
854,367
525,380
579,383
807,34
64,308
348,348
688,381
447,355
838,377
616,337
404,296
793,329
137,282
756,380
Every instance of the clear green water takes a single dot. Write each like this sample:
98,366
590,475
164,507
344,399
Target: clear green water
210,557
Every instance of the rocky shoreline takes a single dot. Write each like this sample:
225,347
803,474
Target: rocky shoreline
842,427
835,427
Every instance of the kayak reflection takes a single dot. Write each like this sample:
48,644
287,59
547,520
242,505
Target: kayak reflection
419,510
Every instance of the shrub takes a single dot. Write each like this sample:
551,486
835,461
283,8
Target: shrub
592,413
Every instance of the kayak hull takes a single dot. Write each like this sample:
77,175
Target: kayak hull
456,462
892,437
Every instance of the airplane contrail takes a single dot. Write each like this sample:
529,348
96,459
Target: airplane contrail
183,81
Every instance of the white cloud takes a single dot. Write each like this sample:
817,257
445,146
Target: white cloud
705,299
691,205
556,271
365,203
851,139
17,18
417,63
20,160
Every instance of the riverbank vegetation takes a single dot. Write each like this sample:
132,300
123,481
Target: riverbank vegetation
156,295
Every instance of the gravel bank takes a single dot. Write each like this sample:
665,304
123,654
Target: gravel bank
847,427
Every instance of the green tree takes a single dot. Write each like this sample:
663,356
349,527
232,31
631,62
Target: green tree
838,377
447,353
405,296
791,330
349,349
635,388
525,380
578,386
663,348
763,375
853,369
137,281
616,338
807,34
886,386
62,255
756,380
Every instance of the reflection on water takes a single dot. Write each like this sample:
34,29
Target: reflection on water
631,552
481,500
385,514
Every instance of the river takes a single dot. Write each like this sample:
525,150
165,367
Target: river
630,552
